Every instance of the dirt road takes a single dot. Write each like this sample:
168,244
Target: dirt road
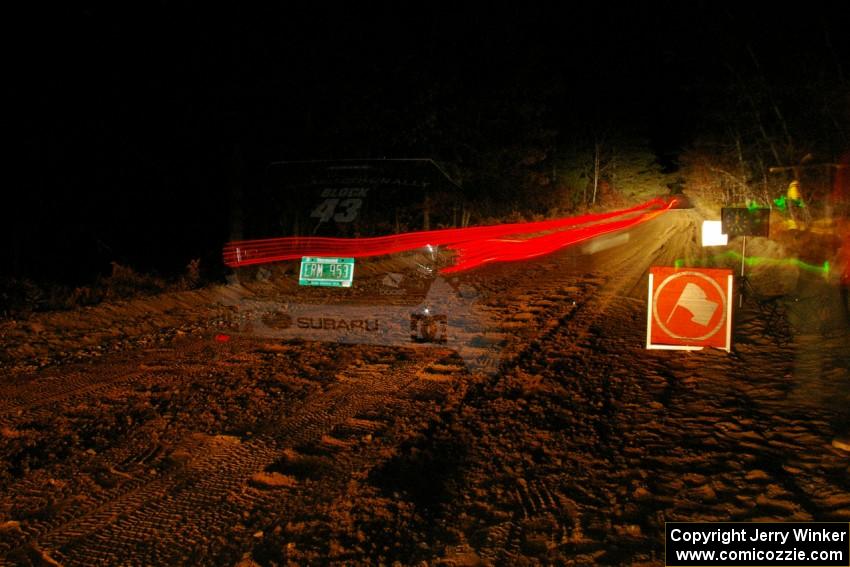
169,447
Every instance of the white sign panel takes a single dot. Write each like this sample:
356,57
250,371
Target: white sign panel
712,234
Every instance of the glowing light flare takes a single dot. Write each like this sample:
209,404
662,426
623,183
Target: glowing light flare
244,253
475,245
252,252
477,253
764,261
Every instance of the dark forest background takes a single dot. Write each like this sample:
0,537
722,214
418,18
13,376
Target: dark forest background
133,127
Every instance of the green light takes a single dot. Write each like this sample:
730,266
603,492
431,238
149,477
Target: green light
780,203
752,206
762,261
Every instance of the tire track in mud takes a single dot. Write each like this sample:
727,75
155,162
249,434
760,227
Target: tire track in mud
32,396
588,294
649,437
80,396
522,303
143,509
184,511
88,388
181,510
539,507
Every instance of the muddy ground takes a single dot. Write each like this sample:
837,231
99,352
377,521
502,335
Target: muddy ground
150,433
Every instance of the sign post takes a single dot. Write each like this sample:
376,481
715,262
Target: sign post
745,221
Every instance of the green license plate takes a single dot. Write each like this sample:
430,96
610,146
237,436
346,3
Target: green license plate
335,272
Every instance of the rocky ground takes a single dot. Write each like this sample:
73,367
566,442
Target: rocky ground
146,433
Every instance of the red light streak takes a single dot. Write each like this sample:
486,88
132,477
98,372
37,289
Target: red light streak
475,245
477,253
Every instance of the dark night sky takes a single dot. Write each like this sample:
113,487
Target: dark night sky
131,125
